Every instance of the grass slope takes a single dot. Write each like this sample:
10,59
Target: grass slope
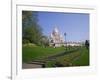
83,59
30,53
77,58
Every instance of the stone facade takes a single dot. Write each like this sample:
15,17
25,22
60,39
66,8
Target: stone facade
56,40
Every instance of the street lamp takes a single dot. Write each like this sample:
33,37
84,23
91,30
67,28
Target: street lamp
65,34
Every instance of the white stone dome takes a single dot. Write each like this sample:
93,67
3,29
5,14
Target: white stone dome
56,30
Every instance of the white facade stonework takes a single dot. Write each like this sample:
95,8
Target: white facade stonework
56,40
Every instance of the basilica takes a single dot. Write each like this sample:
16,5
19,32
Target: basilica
57,40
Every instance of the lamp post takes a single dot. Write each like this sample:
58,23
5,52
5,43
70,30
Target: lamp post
65,34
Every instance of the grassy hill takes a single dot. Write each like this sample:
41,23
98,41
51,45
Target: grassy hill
30,53
75,58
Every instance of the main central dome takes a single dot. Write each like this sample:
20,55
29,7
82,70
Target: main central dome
55,37
56,30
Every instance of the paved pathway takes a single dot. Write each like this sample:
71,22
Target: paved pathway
27,66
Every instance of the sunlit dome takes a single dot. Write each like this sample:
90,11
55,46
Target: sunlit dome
56,30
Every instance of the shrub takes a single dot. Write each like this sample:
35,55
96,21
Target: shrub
25,41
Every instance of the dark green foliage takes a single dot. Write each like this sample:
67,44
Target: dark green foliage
31,30
44,41
25,41
87,44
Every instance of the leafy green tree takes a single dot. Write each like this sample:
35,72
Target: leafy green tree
44,41
31,30
87,44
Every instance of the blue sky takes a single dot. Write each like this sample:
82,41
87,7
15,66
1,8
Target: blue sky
76,25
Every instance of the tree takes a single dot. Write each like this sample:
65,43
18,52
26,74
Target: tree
87,44
31,30
44,41
65,34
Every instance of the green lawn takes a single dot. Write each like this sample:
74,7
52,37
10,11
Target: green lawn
83,59
77,58
30,53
